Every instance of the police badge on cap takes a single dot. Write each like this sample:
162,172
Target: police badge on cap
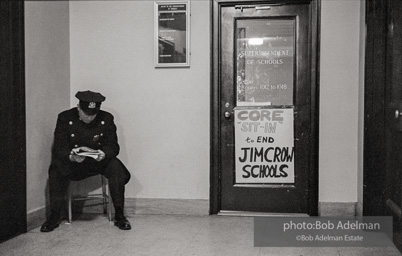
90,102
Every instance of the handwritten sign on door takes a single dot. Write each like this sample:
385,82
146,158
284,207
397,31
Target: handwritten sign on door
264,145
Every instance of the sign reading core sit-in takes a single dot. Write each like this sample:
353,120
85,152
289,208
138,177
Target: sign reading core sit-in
264,145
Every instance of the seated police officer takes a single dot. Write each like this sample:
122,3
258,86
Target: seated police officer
86,129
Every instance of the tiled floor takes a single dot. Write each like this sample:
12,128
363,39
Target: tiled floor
160,235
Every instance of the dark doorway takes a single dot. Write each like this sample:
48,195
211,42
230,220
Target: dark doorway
383,113
12,128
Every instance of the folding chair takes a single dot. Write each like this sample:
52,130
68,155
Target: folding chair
104,196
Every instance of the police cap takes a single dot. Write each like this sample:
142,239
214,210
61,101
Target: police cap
90,102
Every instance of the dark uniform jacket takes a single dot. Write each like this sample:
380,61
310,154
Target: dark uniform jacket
71,133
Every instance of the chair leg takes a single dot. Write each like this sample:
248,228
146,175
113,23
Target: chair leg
70,211
104,194
109,202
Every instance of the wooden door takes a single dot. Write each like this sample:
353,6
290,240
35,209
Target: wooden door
393,111
266,114
383,119
12,121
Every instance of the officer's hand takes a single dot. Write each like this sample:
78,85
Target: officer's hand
101,155
77,158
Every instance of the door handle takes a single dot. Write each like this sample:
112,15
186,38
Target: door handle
227,114
397,114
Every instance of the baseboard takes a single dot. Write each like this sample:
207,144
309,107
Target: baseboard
201,207
183,207
359,209
346,209
36,217
150,206
167,206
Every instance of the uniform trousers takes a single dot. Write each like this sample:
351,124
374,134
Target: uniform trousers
61,173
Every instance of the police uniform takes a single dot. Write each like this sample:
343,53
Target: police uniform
99,134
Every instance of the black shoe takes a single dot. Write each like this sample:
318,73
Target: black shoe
50,224
122,223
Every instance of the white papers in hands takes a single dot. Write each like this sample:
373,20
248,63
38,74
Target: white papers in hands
94,155
87,152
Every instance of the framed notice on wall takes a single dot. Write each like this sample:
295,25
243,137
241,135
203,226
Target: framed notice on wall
172,34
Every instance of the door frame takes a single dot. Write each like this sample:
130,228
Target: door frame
216,113
13,88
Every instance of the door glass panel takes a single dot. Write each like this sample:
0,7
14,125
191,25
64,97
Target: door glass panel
265,50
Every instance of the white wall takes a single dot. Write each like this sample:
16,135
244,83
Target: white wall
162,115
47,71
340,101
